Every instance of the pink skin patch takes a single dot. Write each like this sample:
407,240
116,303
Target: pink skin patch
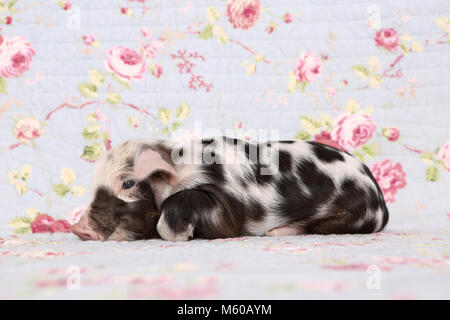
286,231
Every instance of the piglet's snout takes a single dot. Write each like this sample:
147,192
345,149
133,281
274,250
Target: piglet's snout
84,232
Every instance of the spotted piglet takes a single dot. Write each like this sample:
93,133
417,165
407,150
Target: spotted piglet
224,187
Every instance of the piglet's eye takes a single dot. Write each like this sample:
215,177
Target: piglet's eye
127,184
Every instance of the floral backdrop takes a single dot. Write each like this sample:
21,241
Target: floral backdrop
368,77
77,77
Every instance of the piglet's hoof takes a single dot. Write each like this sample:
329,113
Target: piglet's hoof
168,234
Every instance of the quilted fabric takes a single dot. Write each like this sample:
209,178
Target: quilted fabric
77,77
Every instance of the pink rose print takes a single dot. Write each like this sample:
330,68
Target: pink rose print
8,20
16,54
444,154
107,143
76,214
243,13
146,32
41,223
27,129
353,130
387,38
392,134
157,71
89,39
287,18
325,138
126,64
44,223
149,47
308,67
67,6
60,226
271,28
331,91
390,177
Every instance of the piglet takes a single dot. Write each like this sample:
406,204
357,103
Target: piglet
224,187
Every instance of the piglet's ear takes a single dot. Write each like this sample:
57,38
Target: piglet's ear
149,163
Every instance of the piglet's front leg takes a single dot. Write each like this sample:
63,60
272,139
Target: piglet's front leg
179,215
168,232
202,212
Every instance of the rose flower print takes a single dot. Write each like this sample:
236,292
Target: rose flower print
126,64
243,14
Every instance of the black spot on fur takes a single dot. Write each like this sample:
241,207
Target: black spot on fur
349,211
138,218
380,198
213,213
243,181
231,214
356,201
102,212
319,184
254,209
247,178
287,141
129,164
368,226
214,172
182,208
296,202
285,161
260,178
326,153
144,191
352,198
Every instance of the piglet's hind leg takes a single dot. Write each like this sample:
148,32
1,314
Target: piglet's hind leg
288,230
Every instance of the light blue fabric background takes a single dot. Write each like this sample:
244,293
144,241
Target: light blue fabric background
423,121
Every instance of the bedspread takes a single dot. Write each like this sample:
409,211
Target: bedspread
368,77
